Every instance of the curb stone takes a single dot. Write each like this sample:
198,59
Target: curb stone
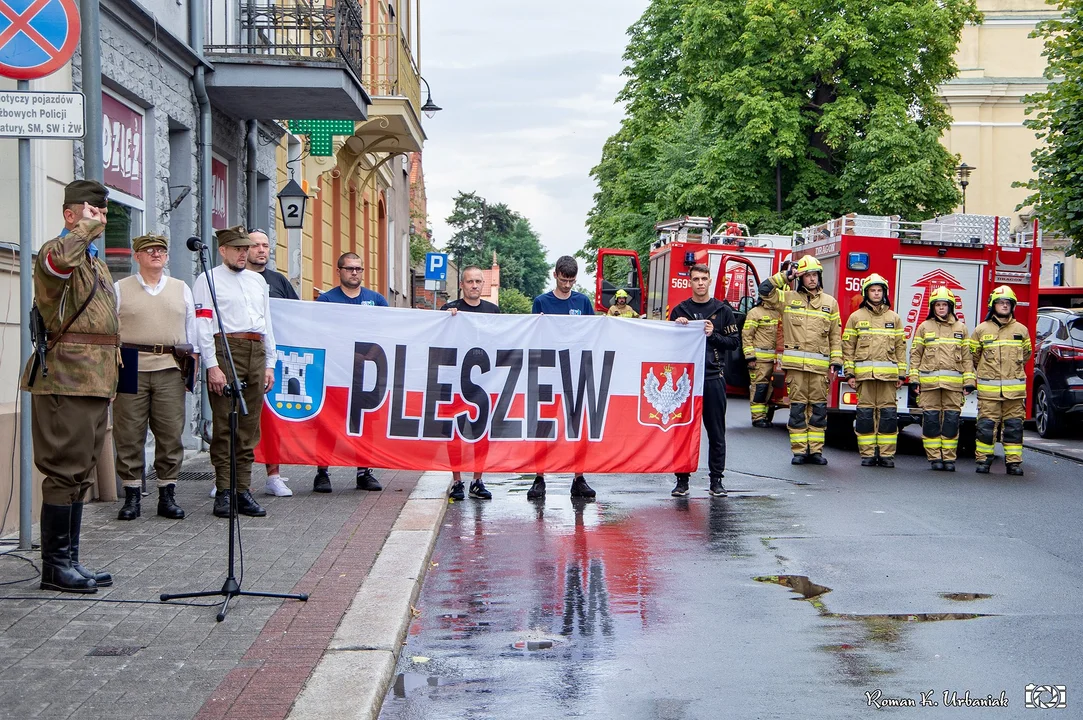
355,672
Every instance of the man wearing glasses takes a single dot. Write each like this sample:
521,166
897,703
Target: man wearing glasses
280,287
157,313
350,292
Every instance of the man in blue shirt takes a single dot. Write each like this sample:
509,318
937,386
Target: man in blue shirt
350,292
562,301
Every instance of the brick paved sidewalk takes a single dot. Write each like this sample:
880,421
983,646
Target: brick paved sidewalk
182,664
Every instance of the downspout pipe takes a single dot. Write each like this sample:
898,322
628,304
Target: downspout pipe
90,41
252,147
206,228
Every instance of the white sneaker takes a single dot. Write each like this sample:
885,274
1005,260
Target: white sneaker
214,490
276,485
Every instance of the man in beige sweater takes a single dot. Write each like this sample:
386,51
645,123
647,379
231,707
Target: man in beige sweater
156,315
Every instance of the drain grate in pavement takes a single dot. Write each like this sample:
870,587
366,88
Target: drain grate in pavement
114,651
182,476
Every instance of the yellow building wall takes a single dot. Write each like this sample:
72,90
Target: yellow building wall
999,64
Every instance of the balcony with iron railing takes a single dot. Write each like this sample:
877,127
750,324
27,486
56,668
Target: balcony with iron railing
287,59
389,63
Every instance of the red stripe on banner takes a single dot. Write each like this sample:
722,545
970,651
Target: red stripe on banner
627,446
205,313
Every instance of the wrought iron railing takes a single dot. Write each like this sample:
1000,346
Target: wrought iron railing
391,66
291,29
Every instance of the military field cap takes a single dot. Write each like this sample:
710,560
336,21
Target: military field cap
235,236
148,241
86,191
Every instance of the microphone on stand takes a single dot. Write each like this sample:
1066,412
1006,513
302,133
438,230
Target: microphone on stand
195,244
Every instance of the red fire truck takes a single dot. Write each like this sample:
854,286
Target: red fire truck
969,254
738,262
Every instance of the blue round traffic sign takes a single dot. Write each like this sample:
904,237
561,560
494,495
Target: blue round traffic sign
37,36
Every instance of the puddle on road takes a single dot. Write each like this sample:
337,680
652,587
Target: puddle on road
408,683
867,642
812,592
965,597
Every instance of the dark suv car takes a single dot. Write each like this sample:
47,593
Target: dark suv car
1058,368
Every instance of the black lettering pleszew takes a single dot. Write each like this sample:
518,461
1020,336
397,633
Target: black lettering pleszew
579,394
361,400
597,398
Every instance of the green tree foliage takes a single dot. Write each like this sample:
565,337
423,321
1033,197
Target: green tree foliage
1057,191
482,229
838,96
513,302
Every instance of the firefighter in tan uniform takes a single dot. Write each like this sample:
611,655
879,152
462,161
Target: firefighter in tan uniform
874,360
759,339
620,307
1001,347
812,348
941,370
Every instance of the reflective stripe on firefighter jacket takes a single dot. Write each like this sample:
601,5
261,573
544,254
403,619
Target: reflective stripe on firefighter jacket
811,330
874,345
759,336
940,356
1000,356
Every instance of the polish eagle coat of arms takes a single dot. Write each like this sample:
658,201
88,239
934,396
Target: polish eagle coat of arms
666,401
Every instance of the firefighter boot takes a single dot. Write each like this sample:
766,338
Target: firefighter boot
1014,468
938,465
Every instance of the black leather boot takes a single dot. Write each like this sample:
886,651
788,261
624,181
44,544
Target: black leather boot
75,529
167,503
57,572
221,504
131,509
247,505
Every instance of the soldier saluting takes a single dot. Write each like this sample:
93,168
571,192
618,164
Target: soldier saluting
70,392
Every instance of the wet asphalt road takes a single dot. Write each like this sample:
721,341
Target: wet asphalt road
644,606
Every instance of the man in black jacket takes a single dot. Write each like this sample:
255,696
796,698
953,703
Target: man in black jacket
720,327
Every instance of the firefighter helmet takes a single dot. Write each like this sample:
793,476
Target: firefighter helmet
808,264
871,280
942,294
622,293
1002,293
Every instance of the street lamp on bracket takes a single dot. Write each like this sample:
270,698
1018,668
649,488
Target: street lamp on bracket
962,171
429,108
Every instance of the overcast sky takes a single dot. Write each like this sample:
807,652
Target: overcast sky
528,95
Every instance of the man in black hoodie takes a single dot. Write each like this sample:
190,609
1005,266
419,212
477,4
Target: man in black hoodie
720,327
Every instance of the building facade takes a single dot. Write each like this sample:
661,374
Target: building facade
197,96
361,192
999,65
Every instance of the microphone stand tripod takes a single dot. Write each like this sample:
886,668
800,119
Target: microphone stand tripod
234,389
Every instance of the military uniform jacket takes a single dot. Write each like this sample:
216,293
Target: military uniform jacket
63,279
940,357
1000,356
759,336
811,329
874,345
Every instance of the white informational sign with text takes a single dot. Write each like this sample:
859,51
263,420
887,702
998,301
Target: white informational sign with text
42,115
